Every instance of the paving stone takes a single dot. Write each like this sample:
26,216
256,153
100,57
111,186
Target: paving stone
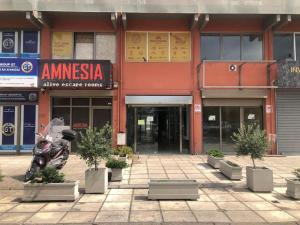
294,213
86,206
140,191
45,217
244,216
92,198
78,217
57,207
112,216
276,216
178,216
6,207
211,216
116,206
145,216
222,197
7,218
288,205
118,198
195,205
231,206
173,205
121,192
27,207
149,205
247,197
10,199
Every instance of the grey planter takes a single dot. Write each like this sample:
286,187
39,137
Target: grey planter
50,192
123,158
293,188
173,189
96,181
230,171
117,174
214,161
259,179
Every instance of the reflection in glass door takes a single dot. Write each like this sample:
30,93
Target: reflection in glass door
211,128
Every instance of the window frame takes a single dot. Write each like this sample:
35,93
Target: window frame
294,43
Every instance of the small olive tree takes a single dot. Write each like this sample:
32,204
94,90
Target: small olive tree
251,140
95,144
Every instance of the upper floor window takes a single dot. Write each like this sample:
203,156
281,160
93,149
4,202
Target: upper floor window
84,45
286,46
231,47
24,43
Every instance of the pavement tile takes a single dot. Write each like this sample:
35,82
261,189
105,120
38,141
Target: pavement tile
145,216
6,207
211,216
222,197
247,197
276,216
232,206
244,216
203,198
215,190
261,206
294,213
140,191
45,217
27,207
288,205
173,205
86,206
78,217
112,216
116,206
195,205
121,191
10,199
178,216
57,207
145,205
118,198
92,198
7,218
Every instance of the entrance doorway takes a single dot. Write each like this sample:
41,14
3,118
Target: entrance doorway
158,129
220,122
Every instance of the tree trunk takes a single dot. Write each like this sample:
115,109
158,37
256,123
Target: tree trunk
254,166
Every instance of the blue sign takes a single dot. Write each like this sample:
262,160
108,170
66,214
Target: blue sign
16,72
29,127
30,44
8,42
8,128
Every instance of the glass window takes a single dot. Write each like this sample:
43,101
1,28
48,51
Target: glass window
84,45
30,42
231,48
80,101
62,112
101,101
283,46
210,47
106,47
60,101
62,45
9,43
297,37
252,47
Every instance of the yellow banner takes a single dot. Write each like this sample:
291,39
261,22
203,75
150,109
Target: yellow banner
158,47
180,46
62,45
136,46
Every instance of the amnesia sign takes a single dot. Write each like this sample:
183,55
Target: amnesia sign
75,74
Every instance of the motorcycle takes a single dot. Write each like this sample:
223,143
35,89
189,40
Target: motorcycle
51,149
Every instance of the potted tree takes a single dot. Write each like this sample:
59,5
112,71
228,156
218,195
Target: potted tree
95,145
117,167
49,185
251,140
214,157
293,185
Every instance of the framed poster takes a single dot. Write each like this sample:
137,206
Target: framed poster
30,47
158,47
9,43
136,46
180,44
62,45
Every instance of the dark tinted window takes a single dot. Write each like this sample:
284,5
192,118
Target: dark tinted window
298,46
60,101
252,47
283,46
210,47
231,48
81,101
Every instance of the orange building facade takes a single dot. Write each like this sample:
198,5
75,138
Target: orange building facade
178,82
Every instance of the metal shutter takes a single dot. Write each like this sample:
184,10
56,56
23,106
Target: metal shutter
288,121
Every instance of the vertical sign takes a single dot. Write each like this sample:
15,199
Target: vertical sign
180,43
30,44
158,44
8,128
136,46
29,123
62,45
9,42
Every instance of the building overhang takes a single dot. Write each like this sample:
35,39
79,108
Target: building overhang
158,100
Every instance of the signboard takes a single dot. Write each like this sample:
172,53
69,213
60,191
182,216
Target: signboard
289,74
9,40
8,128
18,72
197,107
75,74
19,96
30,44
180,43
62,45
158,44
136,46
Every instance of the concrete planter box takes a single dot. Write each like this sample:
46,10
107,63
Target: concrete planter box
231,171
173,189
96,181
123,158
214,161
50,192
293,188
259,179
117,174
